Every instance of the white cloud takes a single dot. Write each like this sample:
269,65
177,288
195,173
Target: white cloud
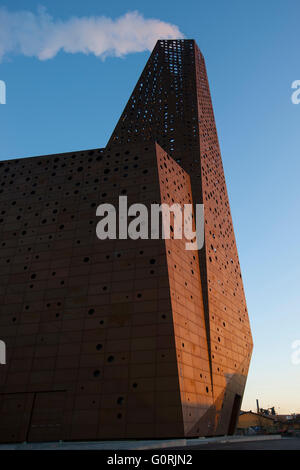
40,35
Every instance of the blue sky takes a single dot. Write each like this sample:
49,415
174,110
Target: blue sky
73,101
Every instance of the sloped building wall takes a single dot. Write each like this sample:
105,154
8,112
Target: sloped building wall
124,338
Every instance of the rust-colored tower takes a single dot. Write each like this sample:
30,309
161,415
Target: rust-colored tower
123,338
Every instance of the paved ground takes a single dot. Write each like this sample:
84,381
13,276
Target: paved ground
286,443
255,443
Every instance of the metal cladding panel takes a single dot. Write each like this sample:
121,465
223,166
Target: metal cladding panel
187,304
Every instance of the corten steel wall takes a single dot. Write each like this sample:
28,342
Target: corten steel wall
123,338
171,104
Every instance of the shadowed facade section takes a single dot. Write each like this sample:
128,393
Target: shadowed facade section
128,338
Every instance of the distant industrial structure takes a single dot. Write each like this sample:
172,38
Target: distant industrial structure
266,421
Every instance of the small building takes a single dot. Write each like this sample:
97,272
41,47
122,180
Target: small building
289,423
250,422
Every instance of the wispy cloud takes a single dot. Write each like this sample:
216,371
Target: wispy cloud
42,36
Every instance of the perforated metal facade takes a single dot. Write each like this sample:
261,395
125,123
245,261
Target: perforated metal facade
124,338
